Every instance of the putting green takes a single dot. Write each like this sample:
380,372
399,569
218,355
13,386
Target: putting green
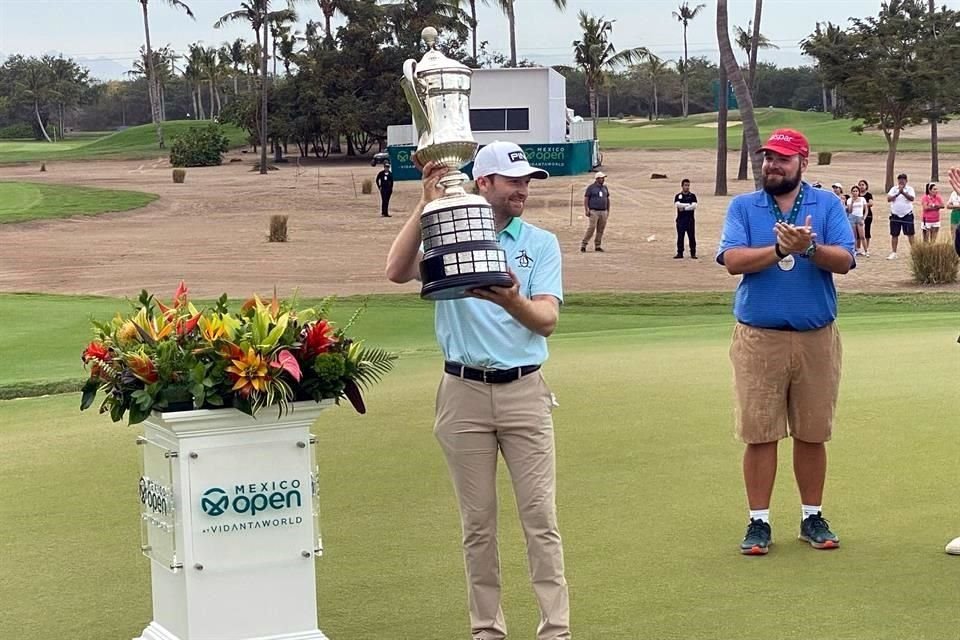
22,201
650,495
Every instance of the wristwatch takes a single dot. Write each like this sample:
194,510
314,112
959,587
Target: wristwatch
812,249
779,251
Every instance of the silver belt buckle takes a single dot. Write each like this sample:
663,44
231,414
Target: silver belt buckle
485,372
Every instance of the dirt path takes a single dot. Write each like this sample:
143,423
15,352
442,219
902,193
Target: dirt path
212,230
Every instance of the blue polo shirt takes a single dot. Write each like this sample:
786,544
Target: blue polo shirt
804,297
479,333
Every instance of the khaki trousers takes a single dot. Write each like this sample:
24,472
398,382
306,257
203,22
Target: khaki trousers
474,422
598,222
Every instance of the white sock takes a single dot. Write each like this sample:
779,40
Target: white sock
760,514
810,510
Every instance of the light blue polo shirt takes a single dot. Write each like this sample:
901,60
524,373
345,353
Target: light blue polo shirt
804,297
482,334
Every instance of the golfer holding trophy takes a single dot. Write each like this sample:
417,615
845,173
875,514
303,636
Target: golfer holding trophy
497,284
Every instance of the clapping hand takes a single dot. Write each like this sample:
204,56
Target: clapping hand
955,178
794,239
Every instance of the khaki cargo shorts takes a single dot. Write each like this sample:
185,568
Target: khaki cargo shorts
786,382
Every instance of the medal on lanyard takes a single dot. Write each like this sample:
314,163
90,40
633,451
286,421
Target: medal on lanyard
788,263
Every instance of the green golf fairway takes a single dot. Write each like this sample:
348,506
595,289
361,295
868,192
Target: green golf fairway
23,201
131,143
700,132
649,487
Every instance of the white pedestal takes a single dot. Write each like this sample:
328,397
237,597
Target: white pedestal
230,523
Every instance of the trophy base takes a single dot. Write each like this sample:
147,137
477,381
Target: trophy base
457,287
454,154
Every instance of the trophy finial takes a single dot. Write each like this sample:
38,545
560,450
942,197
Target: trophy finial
429,35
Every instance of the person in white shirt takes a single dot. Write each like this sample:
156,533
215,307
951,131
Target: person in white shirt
856,214
901,199
954,205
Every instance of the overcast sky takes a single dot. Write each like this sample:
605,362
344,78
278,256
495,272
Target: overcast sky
112,30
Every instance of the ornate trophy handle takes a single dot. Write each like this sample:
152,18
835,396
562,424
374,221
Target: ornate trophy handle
417,106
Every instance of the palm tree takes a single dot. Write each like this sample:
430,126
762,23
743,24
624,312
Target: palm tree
152,80
744,38
407,18
472,4
329,8
595,56
258,15
744,100
751,40
655,68
287,46
720,188
211,72
194,74
684,14
826,45
237,53
280,22
507,6
36,84
163,59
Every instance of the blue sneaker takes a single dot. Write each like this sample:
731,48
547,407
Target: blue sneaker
815,530
758,539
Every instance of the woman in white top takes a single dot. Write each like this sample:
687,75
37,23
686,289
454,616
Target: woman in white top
856,211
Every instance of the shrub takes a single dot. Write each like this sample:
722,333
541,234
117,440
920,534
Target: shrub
199,147
179,175
824,157
367,186
934,263
18,130
278,228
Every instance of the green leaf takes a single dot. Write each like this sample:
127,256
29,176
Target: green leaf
89,392
138,415
373,364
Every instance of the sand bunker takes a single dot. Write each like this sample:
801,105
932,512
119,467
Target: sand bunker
714,125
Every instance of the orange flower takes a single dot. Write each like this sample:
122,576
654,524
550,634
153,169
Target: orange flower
142,367
249,373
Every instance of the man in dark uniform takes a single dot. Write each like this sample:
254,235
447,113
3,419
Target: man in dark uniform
385,186
686,204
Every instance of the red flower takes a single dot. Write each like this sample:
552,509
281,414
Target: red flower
96,350
317,338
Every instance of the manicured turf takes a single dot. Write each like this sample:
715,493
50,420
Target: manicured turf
650,496
824,133
22,201
135,142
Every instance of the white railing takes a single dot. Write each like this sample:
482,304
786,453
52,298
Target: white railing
401,134
581,131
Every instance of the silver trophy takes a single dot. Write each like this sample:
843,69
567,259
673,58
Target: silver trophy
460,250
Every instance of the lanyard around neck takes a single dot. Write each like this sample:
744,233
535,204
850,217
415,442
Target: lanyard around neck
794,212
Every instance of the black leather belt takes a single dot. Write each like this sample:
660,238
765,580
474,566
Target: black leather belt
489,376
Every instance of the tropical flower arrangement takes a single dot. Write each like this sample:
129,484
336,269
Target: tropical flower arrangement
178,357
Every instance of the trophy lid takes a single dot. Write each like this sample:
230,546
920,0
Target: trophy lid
435,61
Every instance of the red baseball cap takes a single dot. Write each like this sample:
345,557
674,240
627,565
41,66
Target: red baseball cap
787,142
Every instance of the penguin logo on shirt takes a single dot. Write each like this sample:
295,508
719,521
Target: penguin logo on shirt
523,260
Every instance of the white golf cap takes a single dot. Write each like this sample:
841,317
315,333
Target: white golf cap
505,159
600,174
837,184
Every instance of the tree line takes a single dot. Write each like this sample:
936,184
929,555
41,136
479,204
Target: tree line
322,87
